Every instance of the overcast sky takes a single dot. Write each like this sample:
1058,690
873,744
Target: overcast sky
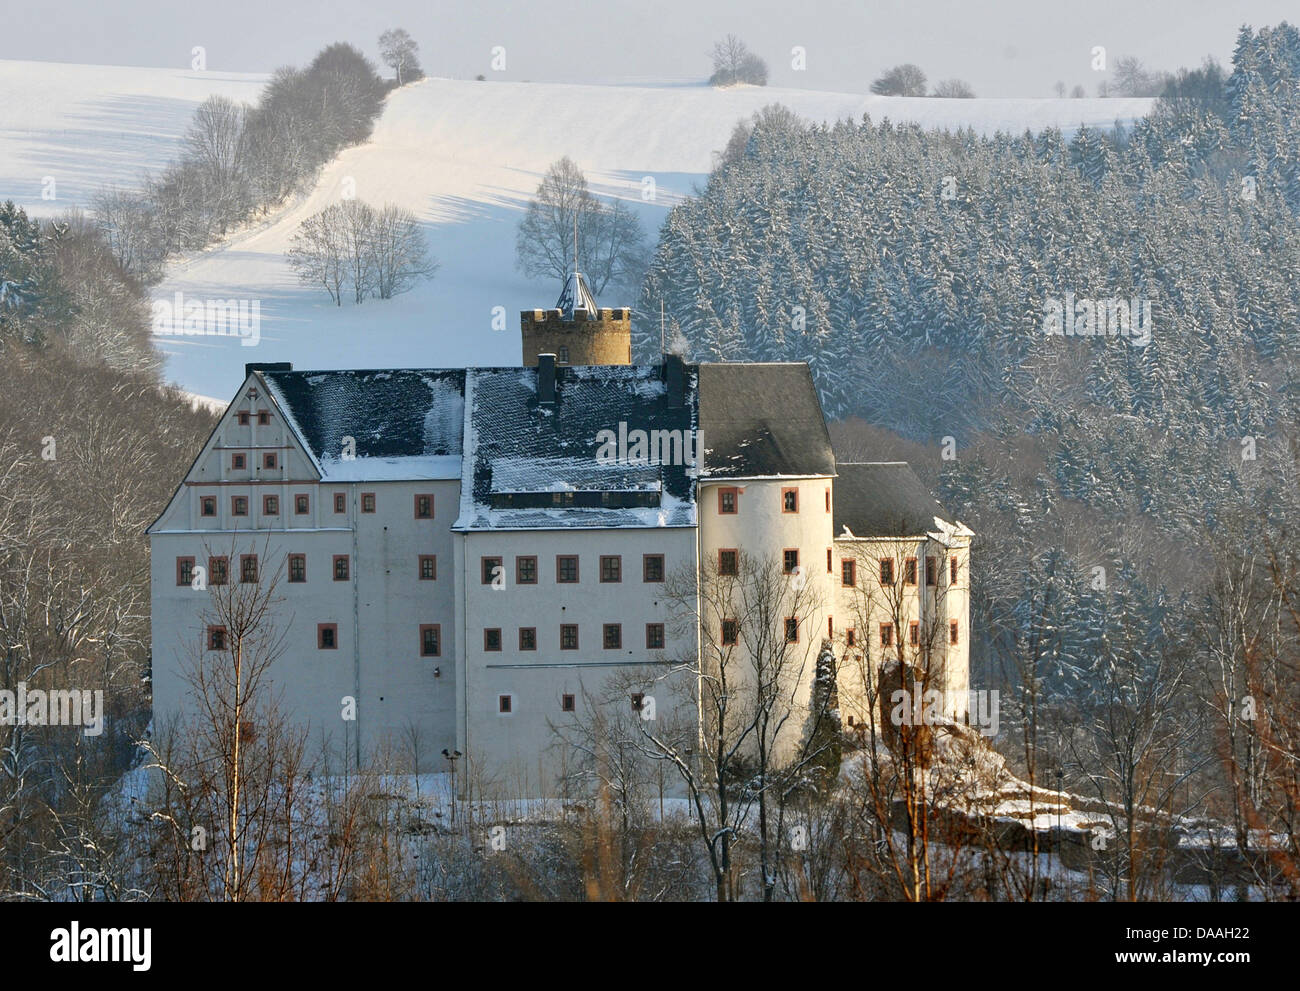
1003,48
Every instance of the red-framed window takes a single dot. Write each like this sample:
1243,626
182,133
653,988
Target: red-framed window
342,568
952,570
270,505
790,560
327,636
218,570
728,501
654,636
216,638
730,632
297,568
728,562
566,569
909,571
914,633
850,637
431,640
789,500
848,572
886,634
238,461
242,417
526,570
611,569
489,568
208,505
952,631
239,505
184,570
828,499
568,636
652,567
505,704
527,638
830,567
301,504
791,629
830,627
367,502
424,506
931,570
270,459
248,569
428,567
340,502
612,636
263,417
492,638
568,703
887,571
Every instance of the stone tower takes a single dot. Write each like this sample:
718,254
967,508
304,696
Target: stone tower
576,330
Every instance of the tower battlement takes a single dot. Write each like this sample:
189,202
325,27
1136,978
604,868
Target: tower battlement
576,330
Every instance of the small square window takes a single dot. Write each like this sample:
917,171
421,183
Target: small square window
504,704
527,638
887,571
263,417
301,504
791,630
526,570
652,567
886,634
569,636
428,567
270,505
611,569
367,502
248,568
342,571
790,560
491,569
654,636
728,563
952,631
424,507
208,506
269,459
728,501
431,640
492,639
242,417
340,502
297,568
216,638
568,703
730,632
789,500
566,568
613,636
239,505
238,462
909,571
218,570
848,573
327,636
184,570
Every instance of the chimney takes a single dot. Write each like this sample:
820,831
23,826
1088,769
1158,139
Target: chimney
675,376
546,379
267,366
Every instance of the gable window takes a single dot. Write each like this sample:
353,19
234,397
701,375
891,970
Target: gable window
424,507
887,571
340,502
301,504
367,502
269,459
184,570
654,636
248,568
914,633
569,636
218,570
527,638
909,571
208,506
728,562
238,462
242,417
789,500
848,573
790,560
931,570
611,569
567,703
566,568
297,568
791,629
428,567
263,417
728,501
327,636
613,636
886,634
504,704
952,570
270,505
730,632
239,505
342,572
431,640
492,639
526,570
952,631
490,568
216,638
652,567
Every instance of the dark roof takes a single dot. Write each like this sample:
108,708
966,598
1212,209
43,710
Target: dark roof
883,499
576,294
762,420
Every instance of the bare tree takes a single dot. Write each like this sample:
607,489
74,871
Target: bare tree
953,89
400,52
734,63
901,80
399,258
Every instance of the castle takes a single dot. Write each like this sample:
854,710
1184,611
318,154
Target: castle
463,552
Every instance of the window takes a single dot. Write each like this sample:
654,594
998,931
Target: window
504,704
886,634
263,417
270,505
887,571
829,566
327,636
301,504
340,502
638,701
613,636
569,636
728,501
367,502
611,569
428,567
564,356
218,570
297,568
341,570
914,633
490,567
952,570
492,639
184,570
848,573
216,638
248,568
789,500
909,571
830,627
566,568
567,703
527,638
730,632
828,500
654,636
526,570
238,462
424,507
791,630
791,560
242,417
431,640
269,459
208,506
239,505
931,570
952,631
652,567
728,562
850,637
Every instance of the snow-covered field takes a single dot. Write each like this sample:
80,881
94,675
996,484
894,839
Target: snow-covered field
465,156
